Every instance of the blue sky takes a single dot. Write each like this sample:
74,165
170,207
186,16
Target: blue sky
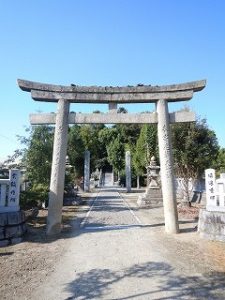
110,42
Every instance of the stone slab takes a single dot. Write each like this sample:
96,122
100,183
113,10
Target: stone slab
6,209
211,225
28,86
16,240
4,243
15,218
109,118
14,231
3,219
112,97
2,233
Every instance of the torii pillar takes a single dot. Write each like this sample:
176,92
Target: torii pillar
166,165
58,169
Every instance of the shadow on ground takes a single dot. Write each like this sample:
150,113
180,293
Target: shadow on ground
99,282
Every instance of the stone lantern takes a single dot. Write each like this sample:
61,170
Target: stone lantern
153,173
153,194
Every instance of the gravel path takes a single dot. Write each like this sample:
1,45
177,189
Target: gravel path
119,252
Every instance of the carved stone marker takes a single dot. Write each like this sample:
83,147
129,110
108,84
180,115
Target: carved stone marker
12,219
128,171
211,223
87,171
10,192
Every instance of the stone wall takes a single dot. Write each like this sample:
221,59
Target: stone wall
12,227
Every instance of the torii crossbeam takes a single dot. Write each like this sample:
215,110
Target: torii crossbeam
64,95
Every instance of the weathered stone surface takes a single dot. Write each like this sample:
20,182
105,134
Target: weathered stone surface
152,198
14,218
16,240
12,225
14,231
2,233
112,118
87,171
128,171
110,97
3,188
112,108
3,219
14,190
4,243
166,164
58,169
27,86
211,225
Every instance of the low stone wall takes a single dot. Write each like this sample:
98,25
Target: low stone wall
12,227
211,225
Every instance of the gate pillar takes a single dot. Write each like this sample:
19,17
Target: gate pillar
87,171
58,169
128,171
166,164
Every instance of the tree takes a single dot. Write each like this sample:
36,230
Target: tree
116,153
76,150
89,136
219,163
152,142
195,147
139,156
146,147
38,156
129,132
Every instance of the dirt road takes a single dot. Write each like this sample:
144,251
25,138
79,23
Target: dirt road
119,252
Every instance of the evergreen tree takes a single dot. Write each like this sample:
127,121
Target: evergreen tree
195,148
139,156
38,156
116,153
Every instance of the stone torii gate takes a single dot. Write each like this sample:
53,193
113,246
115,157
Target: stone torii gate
64,95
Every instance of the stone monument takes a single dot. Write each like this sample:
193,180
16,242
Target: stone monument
87,171
128,171
12,219
211,224
153,194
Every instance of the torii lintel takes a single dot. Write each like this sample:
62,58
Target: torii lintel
108,94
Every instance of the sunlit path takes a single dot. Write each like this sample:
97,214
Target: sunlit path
115,254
